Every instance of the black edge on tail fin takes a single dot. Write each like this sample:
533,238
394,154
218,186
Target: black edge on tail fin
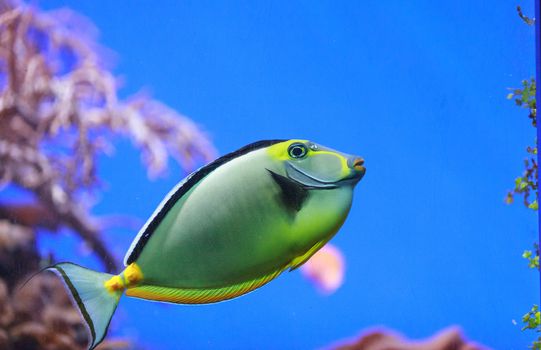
94,301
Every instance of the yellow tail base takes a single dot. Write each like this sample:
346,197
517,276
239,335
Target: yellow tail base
130,277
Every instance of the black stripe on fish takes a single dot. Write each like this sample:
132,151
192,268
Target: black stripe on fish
80,303
293,193
191,181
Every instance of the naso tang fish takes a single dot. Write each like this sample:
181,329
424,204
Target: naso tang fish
227,229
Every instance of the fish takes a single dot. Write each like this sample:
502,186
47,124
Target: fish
227,229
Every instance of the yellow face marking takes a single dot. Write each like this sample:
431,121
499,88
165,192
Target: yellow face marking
279,152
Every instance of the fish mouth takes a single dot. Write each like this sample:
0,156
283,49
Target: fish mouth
357,165
310,181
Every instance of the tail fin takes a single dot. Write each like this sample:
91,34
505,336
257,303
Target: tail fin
95,302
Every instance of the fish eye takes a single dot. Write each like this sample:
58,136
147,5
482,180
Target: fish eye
297,150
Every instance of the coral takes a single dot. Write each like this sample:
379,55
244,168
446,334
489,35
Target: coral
448,339
39,314
59,111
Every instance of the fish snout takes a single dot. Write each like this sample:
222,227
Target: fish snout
357,165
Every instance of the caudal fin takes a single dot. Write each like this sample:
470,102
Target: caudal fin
96,303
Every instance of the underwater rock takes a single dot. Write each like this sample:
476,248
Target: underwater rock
6,310
448,339
4,339
36,313
18,253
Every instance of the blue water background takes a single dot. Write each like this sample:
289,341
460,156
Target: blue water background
417,88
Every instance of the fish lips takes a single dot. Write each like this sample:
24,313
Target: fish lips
312,182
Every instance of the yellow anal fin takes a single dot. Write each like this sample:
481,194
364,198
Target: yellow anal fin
298,261
199,296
